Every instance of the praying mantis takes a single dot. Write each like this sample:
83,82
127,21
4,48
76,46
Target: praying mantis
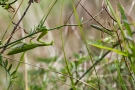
25,47
19,46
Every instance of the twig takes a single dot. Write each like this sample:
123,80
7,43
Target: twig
108,13
11,20
15,27
94,18
72,12
20,28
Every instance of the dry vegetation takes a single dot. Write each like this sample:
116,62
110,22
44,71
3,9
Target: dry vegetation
33,73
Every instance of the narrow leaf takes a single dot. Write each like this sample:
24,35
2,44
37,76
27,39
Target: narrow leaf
10,67
6,63
1,59
13,72
14,77
108,48
124,18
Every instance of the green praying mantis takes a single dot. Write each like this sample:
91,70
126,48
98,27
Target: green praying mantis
25,47
39,29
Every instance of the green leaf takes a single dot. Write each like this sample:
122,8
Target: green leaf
6,63
10,67
115,17
1,59
13,72
108,48
0,42
14,77
124,18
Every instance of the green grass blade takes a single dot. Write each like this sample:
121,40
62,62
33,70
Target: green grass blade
119,24
85,42
131,44
125,21
121,81
108,48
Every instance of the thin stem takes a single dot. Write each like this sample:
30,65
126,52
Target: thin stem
65,58
47,13
72,12
11,20
83,36
94,18
15,27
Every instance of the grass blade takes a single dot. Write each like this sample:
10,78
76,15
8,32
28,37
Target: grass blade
108,48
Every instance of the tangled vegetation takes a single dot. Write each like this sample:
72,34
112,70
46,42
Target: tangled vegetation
63,44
